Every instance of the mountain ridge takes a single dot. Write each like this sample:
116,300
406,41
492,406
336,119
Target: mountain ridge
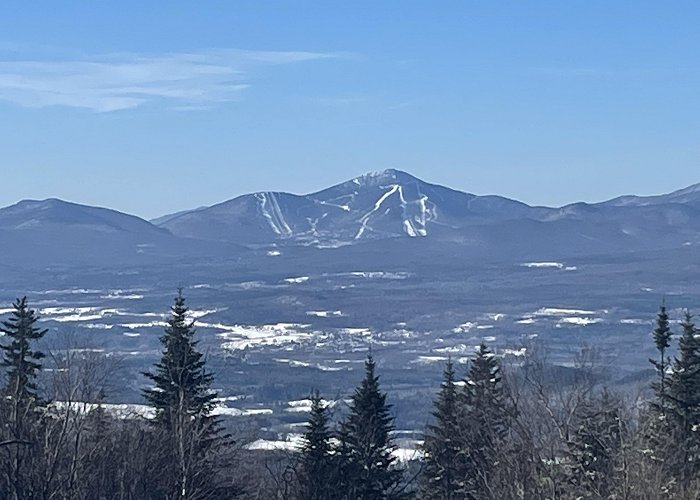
374,207
389,203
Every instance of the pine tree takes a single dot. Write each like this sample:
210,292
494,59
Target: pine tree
21,360
683,403
184,401
368,468
20,399
594,446
317,473
484,424
662,339
441,478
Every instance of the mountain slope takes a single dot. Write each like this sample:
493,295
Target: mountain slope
688,196
376,209
52,231
374,206
38,214
394,204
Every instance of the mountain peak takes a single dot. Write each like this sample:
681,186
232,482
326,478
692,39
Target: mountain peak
384,177
60,213
30,205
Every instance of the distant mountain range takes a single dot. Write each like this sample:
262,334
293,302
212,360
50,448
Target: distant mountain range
386,206
393,204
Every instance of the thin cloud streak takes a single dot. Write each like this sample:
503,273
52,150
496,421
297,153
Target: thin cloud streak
124,81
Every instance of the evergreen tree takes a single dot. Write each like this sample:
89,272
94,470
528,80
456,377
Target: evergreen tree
184,401
594,446
657,427
317,473
368,466
21,398
21,360
683,397
441,478
662,338
484,424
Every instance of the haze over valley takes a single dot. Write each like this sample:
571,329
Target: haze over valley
289,292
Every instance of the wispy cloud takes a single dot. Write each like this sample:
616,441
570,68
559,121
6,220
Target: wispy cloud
114,82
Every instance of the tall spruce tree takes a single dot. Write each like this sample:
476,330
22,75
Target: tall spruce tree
368,467
441,477
318,471
484,424
662,339
683,403
184,401
20,359
658,428
21,398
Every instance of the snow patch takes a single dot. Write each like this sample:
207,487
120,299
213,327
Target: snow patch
543,265
465,327
555,311
425,360
225,411
300,279
633,321
238,337
356,331
294,442
579,321
526,321
304,405
325,314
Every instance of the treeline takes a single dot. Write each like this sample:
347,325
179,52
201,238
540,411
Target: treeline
497,432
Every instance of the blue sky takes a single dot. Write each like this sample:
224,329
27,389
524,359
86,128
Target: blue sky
152,107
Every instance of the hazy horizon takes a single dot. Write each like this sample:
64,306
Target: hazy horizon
429,181
151,110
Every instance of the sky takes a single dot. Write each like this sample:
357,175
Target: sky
154,107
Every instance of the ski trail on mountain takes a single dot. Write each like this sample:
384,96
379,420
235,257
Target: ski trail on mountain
273,214
365,218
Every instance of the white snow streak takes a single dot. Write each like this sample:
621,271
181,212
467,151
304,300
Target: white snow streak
270,208
365,218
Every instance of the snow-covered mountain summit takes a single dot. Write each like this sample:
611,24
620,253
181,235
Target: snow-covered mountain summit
381,208
394,204
390,203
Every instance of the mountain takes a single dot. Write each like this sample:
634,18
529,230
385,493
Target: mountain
688,196
394,204
52,231
374,210
373,206
45,214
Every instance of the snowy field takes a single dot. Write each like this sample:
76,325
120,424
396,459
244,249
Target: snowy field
275,329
